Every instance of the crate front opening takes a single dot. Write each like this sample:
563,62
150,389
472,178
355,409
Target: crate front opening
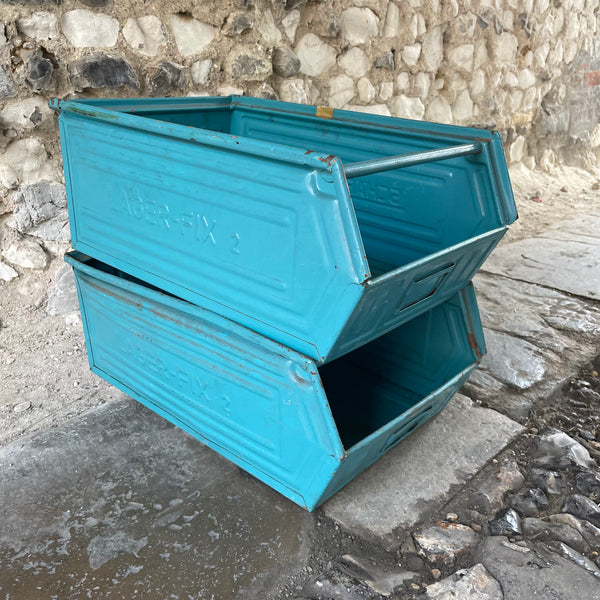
377,383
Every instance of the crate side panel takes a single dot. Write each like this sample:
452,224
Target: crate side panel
263,242
266,412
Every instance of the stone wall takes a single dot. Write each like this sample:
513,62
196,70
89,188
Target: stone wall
528,68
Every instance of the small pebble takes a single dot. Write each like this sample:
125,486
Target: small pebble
564,188
452,517
436,573
534,431
476,527
22,407
415,586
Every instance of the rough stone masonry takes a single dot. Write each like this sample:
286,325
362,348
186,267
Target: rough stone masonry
528,68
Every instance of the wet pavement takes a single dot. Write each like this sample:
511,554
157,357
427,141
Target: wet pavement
121,504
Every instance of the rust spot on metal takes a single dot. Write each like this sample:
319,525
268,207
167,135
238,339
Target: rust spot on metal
308,152
473,344
328,159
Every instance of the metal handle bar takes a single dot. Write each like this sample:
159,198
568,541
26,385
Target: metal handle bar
376,165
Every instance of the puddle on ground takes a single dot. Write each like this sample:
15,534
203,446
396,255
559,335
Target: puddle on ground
122,505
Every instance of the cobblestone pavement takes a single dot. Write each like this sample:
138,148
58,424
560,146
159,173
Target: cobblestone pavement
497,498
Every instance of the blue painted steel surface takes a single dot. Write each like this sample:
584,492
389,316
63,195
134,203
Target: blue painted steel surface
302,428
242,206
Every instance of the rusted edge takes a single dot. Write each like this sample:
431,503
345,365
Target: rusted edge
474,345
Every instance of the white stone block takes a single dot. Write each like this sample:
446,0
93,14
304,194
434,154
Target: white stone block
374,109
528,58
461,57
28,161
510,79
315,55
410,54
191,35
517,150
366,91
27,254
405,107
341,91
478,84
290,24
526,78
516,100
439,110
359,25
386,90
145,35
293,90
268,30
463,107
8,177
413,28
200,71
7,273
402,82
87,29
433,49
25,114
40,26
421,25
229,90
355,62
541,6
392,21
505,48
422,84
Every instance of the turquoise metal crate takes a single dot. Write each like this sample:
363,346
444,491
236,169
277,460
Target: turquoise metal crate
290,220
304,429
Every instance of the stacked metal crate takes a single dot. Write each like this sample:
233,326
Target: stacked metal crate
289,284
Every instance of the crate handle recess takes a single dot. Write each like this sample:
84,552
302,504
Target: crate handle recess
376,165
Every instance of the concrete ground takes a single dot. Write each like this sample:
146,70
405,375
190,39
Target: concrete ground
117,503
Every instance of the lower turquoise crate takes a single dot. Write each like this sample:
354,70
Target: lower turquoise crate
303,429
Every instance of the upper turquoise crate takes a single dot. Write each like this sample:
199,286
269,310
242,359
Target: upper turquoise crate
291,220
